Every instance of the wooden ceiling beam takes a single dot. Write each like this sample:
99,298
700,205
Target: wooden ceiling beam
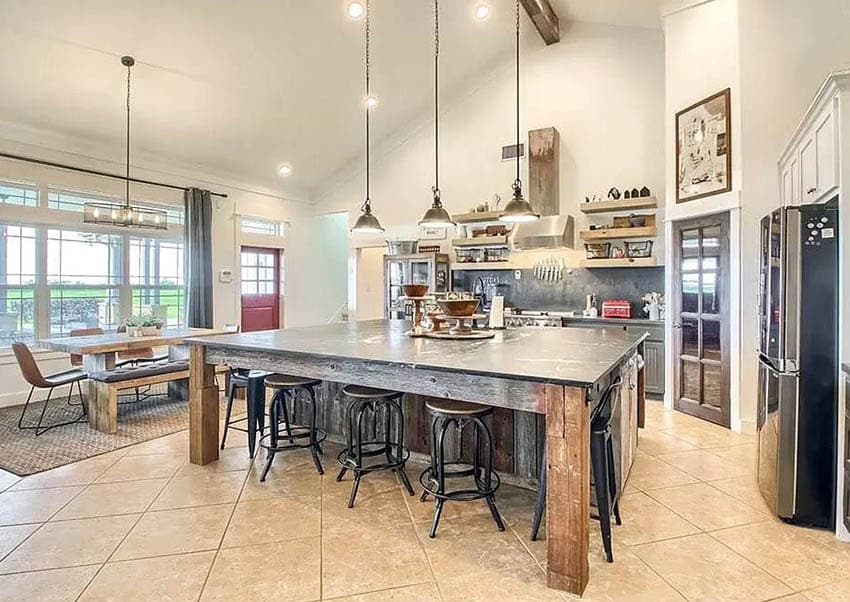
544,18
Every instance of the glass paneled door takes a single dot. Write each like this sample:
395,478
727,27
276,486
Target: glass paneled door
700,309
260,282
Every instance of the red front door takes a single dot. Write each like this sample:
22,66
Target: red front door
260,289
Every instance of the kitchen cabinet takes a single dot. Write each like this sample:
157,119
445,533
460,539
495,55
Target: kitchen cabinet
419,268
791,182
818,160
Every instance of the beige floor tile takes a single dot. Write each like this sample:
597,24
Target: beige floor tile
379,505
11,536
705,435
742,455
707,507
472,544
704,465
133,468
367,560
106,499
173,578
831,592
228,460
424,592
176,532
174,443
745,489
7,479
34,506
650,473
645,520
627,579
280,483
526,583
791,598
288,571
58,585
200,490
789,553
701,568
69,543
278,519
656,443
78,473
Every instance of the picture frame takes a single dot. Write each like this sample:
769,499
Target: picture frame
704,148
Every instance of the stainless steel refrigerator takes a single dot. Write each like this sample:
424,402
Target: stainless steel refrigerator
798,355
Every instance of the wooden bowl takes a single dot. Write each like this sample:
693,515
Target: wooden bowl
415,290
458,307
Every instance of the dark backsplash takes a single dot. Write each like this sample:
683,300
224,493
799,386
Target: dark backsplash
569,294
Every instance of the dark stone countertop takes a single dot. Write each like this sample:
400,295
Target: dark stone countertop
569,356
617,321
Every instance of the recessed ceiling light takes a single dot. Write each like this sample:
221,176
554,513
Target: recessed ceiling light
284,170
482,12
371,101
356,10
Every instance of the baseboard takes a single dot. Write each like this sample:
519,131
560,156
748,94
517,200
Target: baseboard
747,426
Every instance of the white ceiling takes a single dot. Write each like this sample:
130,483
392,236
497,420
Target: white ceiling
232,89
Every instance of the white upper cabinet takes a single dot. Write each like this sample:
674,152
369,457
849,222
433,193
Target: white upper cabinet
818,157
791,182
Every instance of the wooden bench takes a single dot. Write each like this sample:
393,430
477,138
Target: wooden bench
109,383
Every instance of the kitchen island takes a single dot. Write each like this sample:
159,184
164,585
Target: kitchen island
558,373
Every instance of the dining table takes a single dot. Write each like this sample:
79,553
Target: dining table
99,351
559,373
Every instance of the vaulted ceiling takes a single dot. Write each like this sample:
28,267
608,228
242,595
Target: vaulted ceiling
233,89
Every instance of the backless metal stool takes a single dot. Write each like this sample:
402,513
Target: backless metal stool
602,470
286,390
375,429
239,379
445,413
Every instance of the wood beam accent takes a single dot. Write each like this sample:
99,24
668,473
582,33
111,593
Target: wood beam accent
544,18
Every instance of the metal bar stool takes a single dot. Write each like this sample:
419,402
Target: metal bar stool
370,412
286,389
445,413
602,469
240,379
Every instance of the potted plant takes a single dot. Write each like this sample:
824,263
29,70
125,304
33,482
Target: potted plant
133,326
151,325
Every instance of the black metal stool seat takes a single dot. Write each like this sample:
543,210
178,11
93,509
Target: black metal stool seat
445,413
602,470
375,429
239,378
286,389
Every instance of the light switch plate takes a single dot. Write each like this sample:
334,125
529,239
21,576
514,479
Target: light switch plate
517,274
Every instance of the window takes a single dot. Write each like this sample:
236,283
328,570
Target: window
253,225
17,284
84,278
70,201
12,194
156,278
258,273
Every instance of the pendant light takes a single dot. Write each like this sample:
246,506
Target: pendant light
367,223
437,216
125,216
518,209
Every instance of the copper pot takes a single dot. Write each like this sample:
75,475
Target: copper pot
458,307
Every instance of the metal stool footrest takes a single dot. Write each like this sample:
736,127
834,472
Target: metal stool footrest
348,460
431,484
298,432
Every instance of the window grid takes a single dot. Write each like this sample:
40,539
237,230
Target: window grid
252,225
11,194
17,284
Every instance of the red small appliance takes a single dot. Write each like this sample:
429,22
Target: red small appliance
616,308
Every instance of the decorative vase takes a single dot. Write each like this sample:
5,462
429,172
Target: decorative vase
133,331
654,311
149,331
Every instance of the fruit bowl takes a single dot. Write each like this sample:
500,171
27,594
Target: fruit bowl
458,308
414,290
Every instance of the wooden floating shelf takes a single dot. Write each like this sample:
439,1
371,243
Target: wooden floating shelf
625,262
619,233
644,202
481,241
477,217
483,265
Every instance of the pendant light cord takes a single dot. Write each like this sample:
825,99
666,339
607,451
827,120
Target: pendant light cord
436,188
367,205
517,182
127,180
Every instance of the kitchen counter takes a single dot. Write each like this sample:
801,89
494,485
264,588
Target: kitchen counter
615,321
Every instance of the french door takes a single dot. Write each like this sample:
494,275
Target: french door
260,276
700,308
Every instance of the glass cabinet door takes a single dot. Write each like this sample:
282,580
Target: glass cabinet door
397,274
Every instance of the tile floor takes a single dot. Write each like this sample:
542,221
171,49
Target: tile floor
141,524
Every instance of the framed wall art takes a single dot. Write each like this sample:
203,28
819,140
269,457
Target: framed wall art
703,148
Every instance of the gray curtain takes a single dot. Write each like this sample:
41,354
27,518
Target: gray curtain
197,253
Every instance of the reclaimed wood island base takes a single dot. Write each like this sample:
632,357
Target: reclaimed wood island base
558,373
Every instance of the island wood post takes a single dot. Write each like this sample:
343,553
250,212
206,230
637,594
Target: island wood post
568,488
103,415
203,408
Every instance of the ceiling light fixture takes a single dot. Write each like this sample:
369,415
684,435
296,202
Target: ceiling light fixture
284,171
437,216
367,223
125,216
371,101
518,209
355,10
482,12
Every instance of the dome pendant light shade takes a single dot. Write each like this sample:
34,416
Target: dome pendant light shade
437,216
367,223
518,210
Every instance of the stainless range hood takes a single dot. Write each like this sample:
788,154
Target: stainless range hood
549,232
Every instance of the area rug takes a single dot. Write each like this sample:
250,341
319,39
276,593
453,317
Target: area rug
22,453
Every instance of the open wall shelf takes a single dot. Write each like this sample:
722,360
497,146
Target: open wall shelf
645,202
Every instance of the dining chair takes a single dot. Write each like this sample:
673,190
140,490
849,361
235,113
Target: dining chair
32,374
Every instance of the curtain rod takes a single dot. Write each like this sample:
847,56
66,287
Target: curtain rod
95,172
